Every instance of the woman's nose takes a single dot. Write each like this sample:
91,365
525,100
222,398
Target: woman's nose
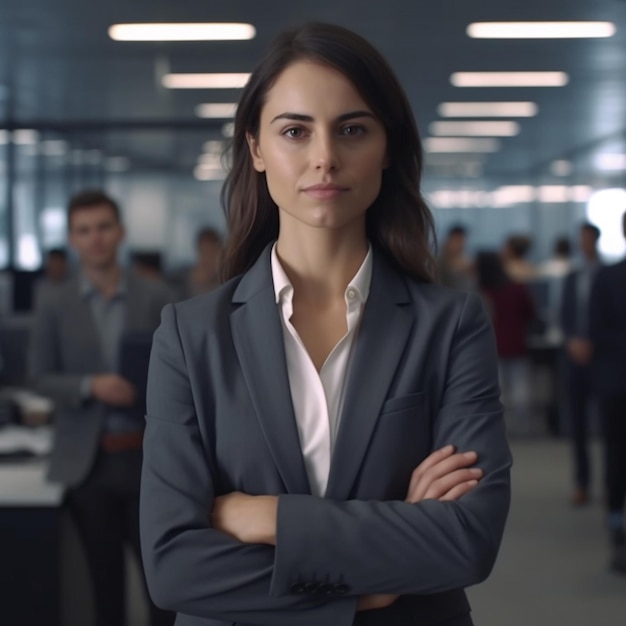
325,156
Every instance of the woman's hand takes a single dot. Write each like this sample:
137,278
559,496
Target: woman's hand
443,475
249,519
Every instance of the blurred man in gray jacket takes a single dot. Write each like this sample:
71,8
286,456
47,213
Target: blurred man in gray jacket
87,351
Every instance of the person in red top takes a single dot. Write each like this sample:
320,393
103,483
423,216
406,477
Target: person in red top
512,309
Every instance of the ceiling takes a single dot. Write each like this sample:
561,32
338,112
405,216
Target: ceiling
59,67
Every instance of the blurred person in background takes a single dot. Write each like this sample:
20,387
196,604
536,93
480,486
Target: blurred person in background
578,351
75,359
608,334
148,264
516,264
204,275
512,309
560,265
455,268
56,271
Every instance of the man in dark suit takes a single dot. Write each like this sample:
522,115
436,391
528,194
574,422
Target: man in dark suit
575,325
608,333
80,337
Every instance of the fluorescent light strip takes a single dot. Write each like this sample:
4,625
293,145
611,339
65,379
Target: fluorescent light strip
474,129
203,173
608,162
541,30
460,144
205,81
216,110
508,196
487,109
182,32
509,79
21,137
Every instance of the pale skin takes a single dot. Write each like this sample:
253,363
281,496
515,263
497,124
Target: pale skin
96,234
316,129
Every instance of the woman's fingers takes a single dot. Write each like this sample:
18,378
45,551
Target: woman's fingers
460,490
432,470
443,485
430,461
434,489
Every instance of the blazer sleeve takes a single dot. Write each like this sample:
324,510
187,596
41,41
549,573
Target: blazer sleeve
428,547
44,361
191,568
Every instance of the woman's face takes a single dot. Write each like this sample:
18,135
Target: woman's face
322,149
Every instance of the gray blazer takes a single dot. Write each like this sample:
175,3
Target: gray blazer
64,348
220,418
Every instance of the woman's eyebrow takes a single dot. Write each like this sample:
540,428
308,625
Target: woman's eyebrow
299,117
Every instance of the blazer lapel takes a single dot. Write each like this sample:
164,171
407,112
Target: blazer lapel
380,343
258,338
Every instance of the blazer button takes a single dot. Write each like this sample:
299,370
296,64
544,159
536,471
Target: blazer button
298,588
311,587
341,589
326,590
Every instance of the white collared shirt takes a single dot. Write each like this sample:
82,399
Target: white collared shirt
318,397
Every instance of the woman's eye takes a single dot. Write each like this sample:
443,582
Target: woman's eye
353,131
293,133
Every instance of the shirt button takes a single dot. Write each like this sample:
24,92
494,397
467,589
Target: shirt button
351,293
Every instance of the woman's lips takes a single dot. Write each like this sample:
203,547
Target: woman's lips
324,192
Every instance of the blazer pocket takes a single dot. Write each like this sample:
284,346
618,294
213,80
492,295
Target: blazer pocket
401,403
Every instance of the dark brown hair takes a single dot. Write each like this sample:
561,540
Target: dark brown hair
399,222
88,199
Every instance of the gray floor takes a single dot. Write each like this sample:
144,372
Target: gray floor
552,568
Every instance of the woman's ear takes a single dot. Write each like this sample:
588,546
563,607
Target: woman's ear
255,152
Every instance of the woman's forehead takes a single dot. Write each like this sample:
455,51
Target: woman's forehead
306,87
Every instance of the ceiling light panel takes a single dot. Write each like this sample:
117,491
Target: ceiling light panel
487,109
509,79
182,32
460,144
474,129
205,81
541,30
216,110
610,162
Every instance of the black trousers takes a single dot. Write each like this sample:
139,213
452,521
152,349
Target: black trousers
614,416
106,511
579,395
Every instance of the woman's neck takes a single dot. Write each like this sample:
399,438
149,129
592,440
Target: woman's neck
321,264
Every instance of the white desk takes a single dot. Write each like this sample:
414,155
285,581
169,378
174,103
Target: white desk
23,484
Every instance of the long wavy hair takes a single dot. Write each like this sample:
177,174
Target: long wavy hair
399,223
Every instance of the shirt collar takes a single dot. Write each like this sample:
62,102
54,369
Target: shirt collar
360,283
88,289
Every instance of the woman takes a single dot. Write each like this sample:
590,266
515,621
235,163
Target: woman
512,310
299,464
